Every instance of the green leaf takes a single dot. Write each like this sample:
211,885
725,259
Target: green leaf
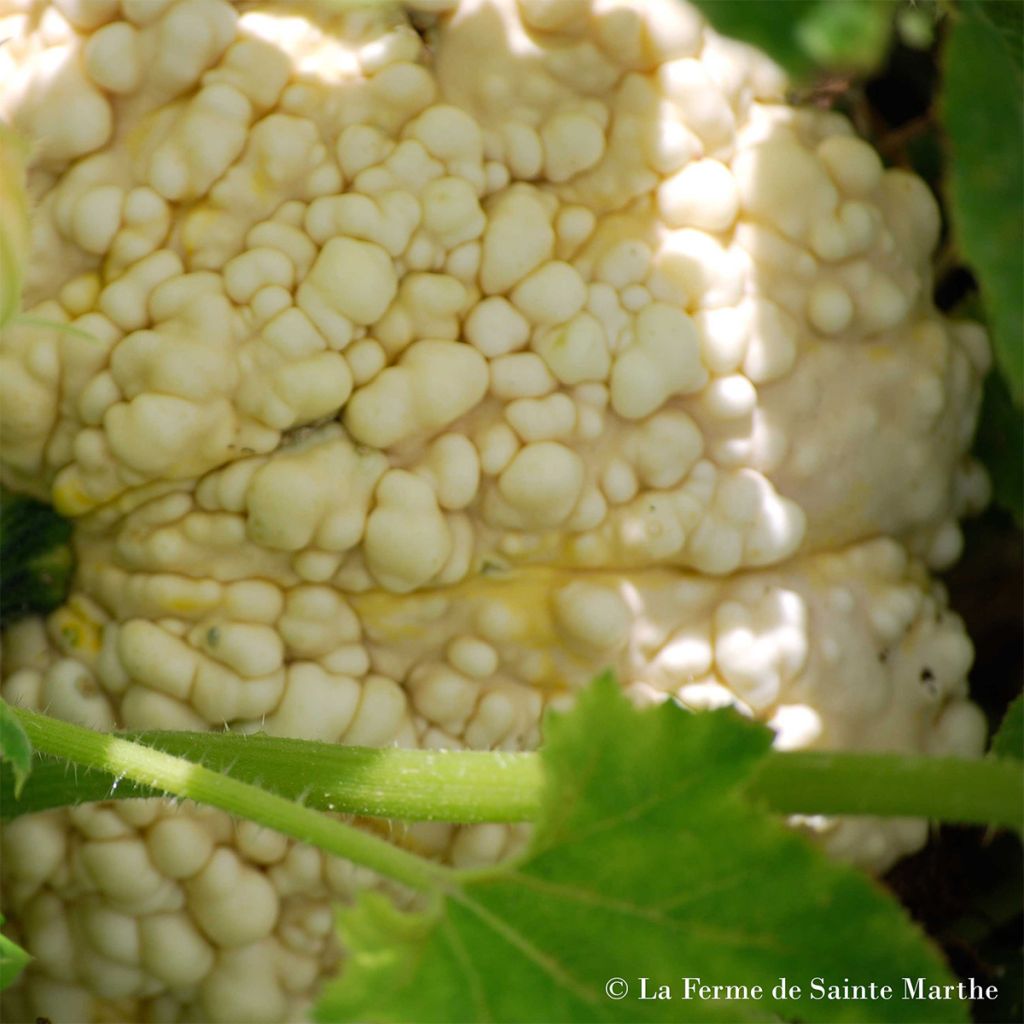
1000,445
1008,18
12,960
15,747
804,36
983,116
1009,740
647,862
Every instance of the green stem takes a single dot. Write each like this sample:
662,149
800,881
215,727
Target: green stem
464,786
261,777
175,776
983,792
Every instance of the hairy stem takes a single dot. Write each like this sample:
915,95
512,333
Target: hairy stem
175,776
415,785
277,782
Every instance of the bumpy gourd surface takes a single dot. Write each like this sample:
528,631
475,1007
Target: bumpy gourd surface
404,385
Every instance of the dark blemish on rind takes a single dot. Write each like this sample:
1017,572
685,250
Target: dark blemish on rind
883,655
213,636
928,680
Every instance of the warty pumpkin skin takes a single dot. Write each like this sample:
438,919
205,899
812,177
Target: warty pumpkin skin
410,365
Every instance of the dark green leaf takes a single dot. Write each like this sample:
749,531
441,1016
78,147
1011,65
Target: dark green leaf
983,116
1008,18
1009,740
807,35
1000,446
15,748
646,863
12,960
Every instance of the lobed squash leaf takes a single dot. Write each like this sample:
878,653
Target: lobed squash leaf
646,862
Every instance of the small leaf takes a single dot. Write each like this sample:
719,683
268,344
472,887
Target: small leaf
646,862
983,116
1009,740
12,960
15,747
852,35
804,36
